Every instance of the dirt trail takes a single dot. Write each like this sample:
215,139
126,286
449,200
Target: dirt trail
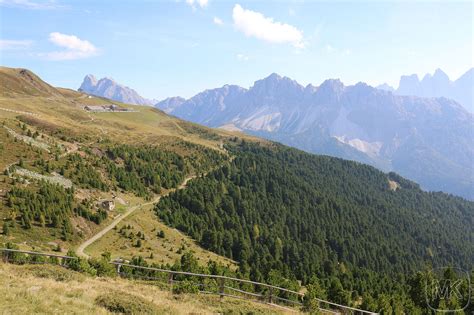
80,250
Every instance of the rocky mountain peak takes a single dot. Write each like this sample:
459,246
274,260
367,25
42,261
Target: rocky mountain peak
276,84
108,88
355,122
88,83
331,86
440,74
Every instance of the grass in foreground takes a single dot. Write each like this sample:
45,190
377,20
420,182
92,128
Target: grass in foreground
47,289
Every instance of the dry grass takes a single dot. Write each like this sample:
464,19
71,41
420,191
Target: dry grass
55,290
148,125
23,82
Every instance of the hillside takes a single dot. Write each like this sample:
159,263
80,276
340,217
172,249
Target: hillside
47,134
254,209
16,82
281,211
42,289
356,122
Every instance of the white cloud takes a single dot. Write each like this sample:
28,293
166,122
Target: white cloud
242,57
194,3
255,24
7,44
217,21
33,5
75,48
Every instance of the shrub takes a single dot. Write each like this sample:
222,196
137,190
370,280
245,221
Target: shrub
80,264
125,303
103,267
310,302
185,287
6,230
13,257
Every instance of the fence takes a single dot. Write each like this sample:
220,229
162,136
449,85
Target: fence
222,286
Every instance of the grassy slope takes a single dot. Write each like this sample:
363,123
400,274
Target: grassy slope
165,250
63,110
60,111
47,289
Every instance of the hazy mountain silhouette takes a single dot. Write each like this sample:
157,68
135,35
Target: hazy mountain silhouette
438,85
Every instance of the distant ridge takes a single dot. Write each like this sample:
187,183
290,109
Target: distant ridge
438,85
108,88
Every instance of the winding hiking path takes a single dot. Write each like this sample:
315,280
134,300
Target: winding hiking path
80,250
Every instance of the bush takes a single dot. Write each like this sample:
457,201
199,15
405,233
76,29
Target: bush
80,264
13,257
125,303
185,287
103,267
310,302
6,229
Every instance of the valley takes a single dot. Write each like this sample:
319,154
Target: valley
158,191
222,157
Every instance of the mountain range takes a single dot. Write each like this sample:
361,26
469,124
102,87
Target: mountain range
429,140
437,85
108,88
421,120
226,203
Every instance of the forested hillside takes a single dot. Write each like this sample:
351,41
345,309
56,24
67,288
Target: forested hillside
358,230
355,122
36,202
345,231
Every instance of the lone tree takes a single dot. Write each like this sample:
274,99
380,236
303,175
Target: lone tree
6,229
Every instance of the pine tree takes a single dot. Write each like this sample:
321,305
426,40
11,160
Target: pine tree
6,229
42,220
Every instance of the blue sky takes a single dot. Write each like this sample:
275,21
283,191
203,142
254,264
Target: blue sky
182,47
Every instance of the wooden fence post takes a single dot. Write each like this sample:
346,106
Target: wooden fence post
170,281
221,287
118,269
270,296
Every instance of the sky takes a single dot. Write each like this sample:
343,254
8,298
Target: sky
169,48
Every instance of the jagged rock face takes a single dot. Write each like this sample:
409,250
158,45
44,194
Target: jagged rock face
89,83
427,139
108,88
438,85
